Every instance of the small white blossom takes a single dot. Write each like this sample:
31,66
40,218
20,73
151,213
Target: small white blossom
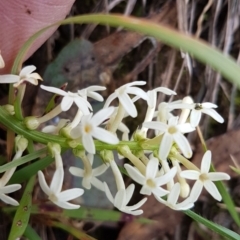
198,109
69,98
25,75
122,198
89,129
150,182
54,190
172,132
173,197
89,177
205,179
8,189
122,94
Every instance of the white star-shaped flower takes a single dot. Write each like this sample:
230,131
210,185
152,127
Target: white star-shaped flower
150,182
205,179
172,132
122,198
54,190
89,129
91,92
122,94
89,177
25,75
9,189
198,109
69,98
173,197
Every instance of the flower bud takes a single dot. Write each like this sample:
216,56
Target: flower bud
54,149
107,156
31,122
9,108
21,143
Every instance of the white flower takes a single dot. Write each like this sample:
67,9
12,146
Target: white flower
205,179
173,197
122,198
150,182
8,189
25,75
69,98
54,190
198,109
122,94
89,129
172,132
89,179
91,92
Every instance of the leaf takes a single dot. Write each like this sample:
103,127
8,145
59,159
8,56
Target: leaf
22,215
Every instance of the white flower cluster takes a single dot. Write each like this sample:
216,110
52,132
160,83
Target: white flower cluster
155,163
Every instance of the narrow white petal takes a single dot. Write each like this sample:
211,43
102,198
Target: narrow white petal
218,176
102,115
185,128
145,190
100,170
83,105
206,162
129,192
161,200
43,183
57,181
166,177
156,125
88,143
183,144
97,184
76,171
120,199
174,194
108,193
138,83
134,213
110,99
66,103
8,200
173,121
196,191
213,114
184,206
54,90
179,105
67,205
137,91
165,90
160,192
70,194
128,105
195,117
137,205
152,168
190,174
27,70
135,174
104,136
212,190
95,96
209,105
9,78
165,146
10,188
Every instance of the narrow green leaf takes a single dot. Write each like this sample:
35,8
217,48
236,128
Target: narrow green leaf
23,160
22,215
31,234
27,172
230,235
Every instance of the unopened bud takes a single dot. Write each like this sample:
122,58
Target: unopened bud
9,108
31,122
54,149
107,156
21,143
